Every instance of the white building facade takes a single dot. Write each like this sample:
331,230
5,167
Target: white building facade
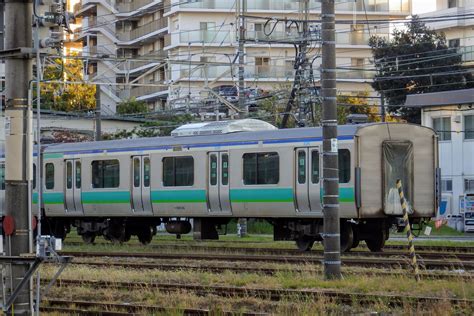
451,114
174,49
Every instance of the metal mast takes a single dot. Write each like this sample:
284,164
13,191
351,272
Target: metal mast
332,247
18,148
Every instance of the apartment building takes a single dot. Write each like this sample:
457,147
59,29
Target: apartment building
459,30
173,50
123,42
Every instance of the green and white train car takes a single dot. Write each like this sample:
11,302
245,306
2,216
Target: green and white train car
122,188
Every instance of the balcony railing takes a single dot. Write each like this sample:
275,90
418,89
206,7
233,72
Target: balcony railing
266,72
206,36
291,5
141,91
467,53
134,5
152,58
143,30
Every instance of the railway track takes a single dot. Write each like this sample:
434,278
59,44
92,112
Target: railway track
361,249
272,294
294,252
348,260
81,307
266,271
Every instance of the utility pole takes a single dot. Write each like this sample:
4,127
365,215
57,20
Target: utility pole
19,146
332,246
242,10
382,106
302,105
98,114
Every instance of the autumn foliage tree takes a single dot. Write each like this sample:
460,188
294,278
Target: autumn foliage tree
59,93
415,60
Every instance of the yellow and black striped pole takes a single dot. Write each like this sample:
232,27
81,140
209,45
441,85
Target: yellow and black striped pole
411,247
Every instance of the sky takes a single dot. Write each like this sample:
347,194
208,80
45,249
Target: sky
422,6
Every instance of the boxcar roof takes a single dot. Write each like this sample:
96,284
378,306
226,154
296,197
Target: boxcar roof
314,133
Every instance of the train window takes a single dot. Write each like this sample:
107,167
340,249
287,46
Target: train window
213,170
49,176
225,169
178,171
146,172
301,167
2,177
344,165
315,166
69,175
105,174
261,168
136,172
34,176
78,175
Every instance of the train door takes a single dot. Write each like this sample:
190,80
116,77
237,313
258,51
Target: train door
2,187
307,182
73,186
218,182
141,192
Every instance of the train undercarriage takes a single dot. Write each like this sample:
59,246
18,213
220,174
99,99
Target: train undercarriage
305,232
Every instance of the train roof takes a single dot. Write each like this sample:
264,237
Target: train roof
285,135
184,141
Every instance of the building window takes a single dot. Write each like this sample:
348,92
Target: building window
468,185
344,165
452,4
178,171
442,126
469,127
105,174
49,176
447,185
2,177
454,43
261,168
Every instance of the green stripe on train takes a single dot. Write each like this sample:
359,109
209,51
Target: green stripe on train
104,197
53,156
261,195
178,196
52,198
346,195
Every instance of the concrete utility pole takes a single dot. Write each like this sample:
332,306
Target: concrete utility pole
18,149
332,246
382,106
242,10
98,114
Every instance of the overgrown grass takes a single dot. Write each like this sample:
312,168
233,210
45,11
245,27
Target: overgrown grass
355,283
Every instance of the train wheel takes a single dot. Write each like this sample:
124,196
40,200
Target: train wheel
347,236
88,238
356,241
377,241
305,243
146,235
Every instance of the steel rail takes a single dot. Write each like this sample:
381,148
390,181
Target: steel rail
348,260
273,294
